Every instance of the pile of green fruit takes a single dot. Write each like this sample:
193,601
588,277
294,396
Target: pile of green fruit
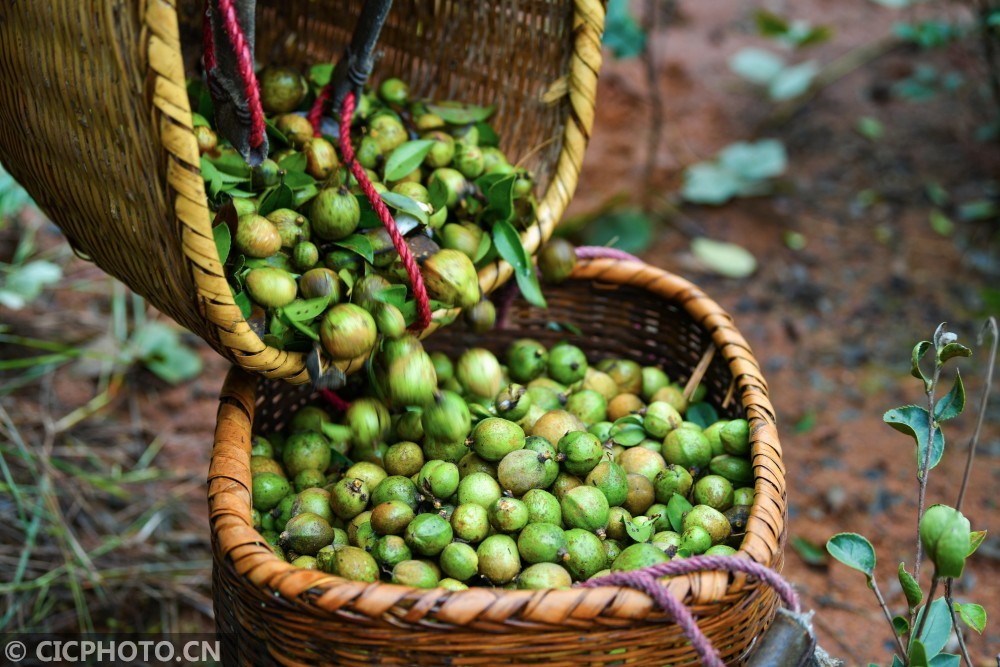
308,259
530,474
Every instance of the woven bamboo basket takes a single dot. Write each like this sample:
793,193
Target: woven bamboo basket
95,123
269,612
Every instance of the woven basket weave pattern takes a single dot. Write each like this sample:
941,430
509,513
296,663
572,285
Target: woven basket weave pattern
273,612
95,123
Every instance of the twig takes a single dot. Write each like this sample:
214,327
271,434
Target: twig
832,73
925,465
954,622
649,58
989,50
989,327
888,616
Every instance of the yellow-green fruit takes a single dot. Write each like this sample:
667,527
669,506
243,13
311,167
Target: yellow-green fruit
388,132
321,158
268,490
394,91
256,236
320,282
556,260
347,331
282,89
297,129
450,277
207,139
334,214
271,288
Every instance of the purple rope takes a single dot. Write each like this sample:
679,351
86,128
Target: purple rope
646,581
600,252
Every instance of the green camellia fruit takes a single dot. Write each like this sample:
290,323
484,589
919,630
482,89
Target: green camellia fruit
334,214
347,331
946,536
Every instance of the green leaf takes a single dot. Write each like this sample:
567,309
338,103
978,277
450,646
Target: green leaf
500,199
461,115
726,259
294,162
976,538
305,329
223,241
508,245
639,532
870,128
274,133
25,283
945,660
919,350
973,615
629,436
438,194
854,551
394,296
703,414
810,553
277,197
911,589
900,625
897,661
360,244
406,158
677,507
918,654
941,223
159,348
485,244
243,301
770,24
405,204
912,420
622,33
952,350
299,180
756,65
320,74
197,120
983,209
488,137
793,81
708,183
952,404
755,161
631,230
937,629
231,164
305,310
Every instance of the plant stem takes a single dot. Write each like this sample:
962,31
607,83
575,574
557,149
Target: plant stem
649,58
954,622
927,612
990,327
925,465
888,616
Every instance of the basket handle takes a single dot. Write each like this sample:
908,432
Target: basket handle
645,579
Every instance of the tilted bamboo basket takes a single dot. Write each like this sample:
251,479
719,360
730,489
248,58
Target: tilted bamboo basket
95,123
272,613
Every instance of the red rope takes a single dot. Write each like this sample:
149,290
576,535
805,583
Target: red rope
336,402
244,62
412,270
316,112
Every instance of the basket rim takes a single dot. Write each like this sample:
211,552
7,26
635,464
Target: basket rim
232,530
235,338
